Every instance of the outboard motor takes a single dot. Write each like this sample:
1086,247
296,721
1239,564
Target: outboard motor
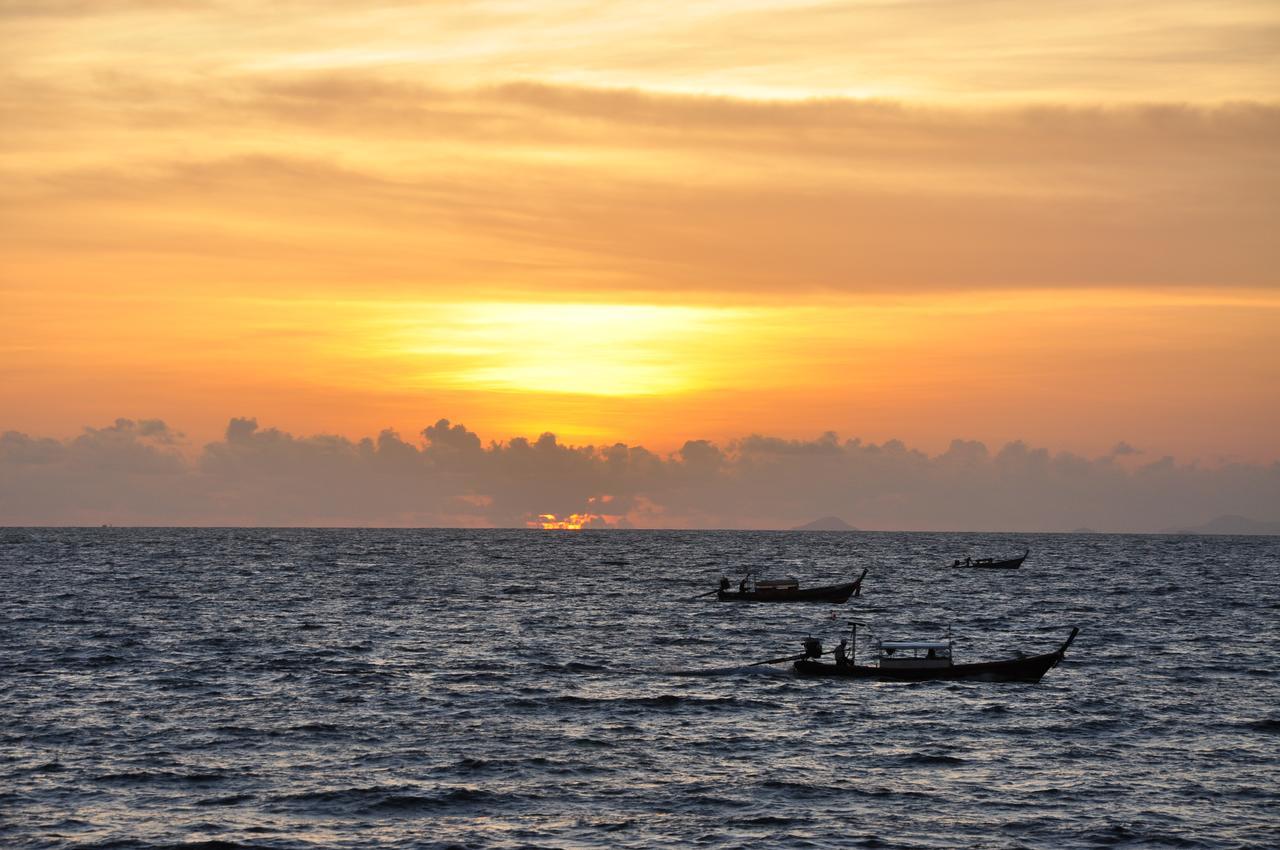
812,647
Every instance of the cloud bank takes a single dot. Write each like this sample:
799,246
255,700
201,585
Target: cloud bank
134,472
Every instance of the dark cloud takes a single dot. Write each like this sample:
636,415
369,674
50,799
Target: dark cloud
447,442
133,448
827,444
18,449
131,472
126,469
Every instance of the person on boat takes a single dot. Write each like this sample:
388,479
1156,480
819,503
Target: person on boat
724,584
842,658
742,586
957,563
967,561
931,654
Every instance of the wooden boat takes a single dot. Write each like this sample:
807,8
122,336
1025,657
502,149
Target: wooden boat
992,563
903,661
789,590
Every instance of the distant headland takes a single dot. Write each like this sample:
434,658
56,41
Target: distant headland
826,523
1230,524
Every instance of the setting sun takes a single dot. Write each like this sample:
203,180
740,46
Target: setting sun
572,522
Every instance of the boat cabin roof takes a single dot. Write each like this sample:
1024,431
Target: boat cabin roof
789,581
914,644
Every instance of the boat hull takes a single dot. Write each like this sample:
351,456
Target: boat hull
1029,669
836,593
1010,564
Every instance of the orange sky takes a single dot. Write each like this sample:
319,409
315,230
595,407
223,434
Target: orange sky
647,222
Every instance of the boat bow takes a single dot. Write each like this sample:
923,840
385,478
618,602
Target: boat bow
1062,650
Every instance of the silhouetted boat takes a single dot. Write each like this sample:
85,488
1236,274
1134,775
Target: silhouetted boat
902,661
789,590
993,564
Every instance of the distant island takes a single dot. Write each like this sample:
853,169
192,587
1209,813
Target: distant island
827,523
1230,524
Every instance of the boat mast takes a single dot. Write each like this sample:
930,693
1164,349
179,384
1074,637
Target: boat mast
853,640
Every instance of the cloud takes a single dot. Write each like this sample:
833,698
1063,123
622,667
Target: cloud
1122,449
127,468
130,473
534,186
964,49
95,8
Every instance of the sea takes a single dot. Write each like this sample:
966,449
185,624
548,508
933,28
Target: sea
373,688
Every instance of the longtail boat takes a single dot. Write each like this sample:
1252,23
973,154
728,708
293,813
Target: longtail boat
992,563
789,590
918,661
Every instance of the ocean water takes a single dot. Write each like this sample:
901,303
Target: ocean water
508,689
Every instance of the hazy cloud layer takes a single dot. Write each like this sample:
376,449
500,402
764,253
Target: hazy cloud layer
360,182
133,473
962,49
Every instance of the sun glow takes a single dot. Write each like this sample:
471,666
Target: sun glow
572,522
586,349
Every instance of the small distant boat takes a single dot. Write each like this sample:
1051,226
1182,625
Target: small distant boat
922,660
992,563
789,590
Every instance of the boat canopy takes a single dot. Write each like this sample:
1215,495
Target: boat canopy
914,644
788,583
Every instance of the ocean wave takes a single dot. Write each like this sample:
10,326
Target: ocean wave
229,800
137,844
792,788
931,760
662,701
146,777
395,798
1266,725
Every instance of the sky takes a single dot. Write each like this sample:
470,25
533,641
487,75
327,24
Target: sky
1038,230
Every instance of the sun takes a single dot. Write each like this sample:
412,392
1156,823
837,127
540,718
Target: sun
572,522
